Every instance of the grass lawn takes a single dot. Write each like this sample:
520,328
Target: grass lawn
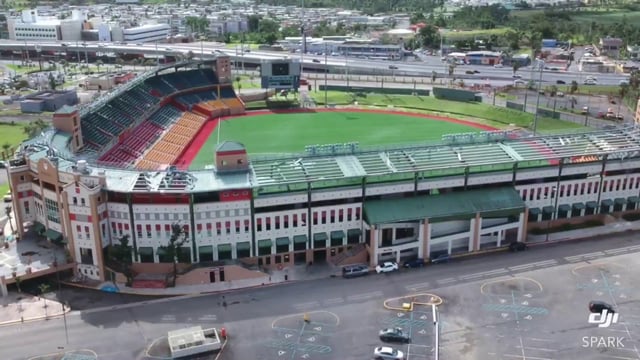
607,17
487,114
3,190
11,134
290,133
471,34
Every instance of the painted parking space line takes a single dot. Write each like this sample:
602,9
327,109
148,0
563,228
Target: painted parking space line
545,263
521,357
365,296
634,248
208,317
521,267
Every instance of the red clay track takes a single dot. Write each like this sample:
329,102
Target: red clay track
209,127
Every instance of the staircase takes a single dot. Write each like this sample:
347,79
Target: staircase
341,258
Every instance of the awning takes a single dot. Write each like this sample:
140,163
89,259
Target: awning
37,227
205,250
494,202
606,202
53,235
224,247
620,201
320,236
578,206
283,241
592,204
564,208
264,243
633,199
548,209
337,235
245,245
300,239
148,251
354,232
534,211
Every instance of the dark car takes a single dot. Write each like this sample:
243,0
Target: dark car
560,82
415,263
440,258
316,61
597,306
394,335
517,246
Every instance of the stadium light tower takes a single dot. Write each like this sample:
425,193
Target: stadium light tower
540,64
303,42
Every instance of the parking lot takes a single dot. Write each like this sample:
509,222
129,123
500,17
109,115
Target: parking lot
543,315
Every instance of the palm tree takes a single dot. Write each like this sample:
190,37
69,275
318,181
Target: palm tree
623,91
98,64
64,65
7,211
44,288
5,149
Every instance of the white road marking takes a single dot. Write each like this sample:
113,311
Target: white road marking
521,267
168,318
538,339
634,248
209,317
333,301
577,258
616,251
618,357
413,287
538,349
525,358
545,263
365,296
446,281
306,305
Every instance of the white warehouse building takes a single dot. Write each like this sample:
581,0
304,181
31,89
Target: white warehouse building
147,33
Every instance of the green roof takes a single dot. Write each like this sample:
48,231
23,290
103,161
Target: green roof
230,146
444,206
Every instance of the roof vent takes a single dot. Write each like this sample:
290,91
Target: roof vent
82,165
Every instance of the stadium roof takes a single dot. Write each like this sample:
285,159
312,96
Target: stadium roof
459,153
490,154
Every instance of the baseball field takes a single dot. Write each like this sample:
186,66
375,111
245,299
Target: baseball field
276,133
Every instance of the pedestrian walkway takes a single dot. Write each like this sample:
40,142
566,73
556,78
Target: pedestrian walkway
19,307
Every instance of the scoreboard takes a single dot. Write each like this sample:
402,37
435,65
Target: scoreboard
280,74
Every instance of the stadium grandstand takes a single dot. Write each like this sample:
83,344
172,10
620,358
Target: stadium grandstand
107,171
148,125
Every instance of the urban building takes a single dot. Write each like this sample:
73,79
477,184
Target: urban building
49,100
483,58
32,27
147,33
610,47
112,169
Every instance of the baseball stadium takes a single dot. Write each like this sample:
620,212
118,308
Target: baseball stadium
279,188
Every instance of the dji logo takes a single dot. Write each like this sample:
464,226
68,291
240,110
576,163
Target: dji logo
603,319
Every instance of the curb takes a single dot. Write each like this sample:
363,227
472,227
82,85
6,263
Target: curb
224,344
33,319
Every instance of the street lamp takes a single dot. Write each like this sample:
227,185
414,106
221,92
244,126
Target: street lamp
326,70
535,119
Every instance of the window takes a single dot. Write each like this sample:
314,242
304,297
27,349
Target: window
26,207
86,256
148,228
237,226
87,233
139,230
75,200
53,211
79,231
246,226
82,202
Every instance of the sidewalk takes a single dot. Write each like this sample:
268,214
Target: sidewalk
19,307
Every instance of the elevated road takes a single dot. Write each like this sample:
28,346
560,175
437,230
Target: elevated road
334,64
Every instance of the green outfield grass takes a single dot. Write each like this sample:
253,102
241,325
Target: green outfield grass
290,133
11,134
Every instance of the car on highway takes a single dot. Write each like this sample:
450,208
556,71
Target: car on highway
624,82
387,267
394,335
597,306
560,82
498,66
387,353
440,258
517,77
393,67
590,82
519,82
316,61
517,246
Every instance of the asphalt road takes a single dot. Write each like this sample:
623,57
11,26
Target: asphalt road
258,320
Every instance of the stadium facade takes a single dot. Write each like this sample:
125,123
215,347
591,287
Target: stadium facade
110,170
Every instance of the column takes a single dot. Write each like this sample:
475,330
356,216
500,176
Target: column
373,246
3,287
475,232
522,225
426,242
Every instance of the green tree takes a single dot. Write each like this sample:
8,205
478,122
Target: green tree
417,18
98,64
44,289
7,212
574,87
429,36
172,249
52,82
122,255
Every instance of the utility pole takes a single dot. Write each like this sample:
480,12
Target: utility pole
326,70
535,119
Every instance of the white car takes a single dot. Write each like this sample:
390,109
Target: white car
498,66
387,353
590,82
386,267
